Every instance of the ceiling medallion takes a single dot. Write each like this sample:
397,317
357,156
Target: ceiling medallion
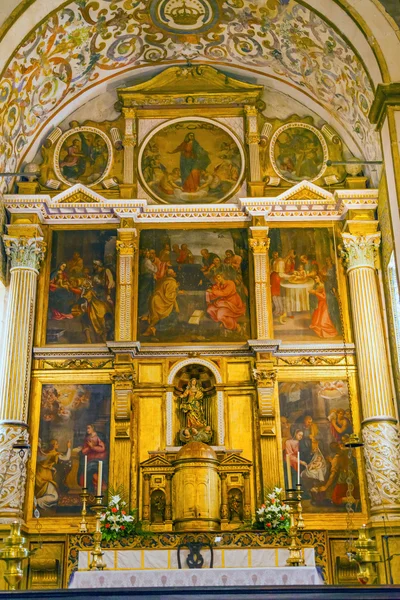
184,16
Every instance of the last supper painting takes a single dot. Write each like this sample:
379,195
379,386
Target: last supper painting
191,161
304,286
193,286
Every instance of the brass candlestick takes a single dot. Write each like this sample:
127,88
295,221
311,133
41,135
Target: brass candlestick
97,553
83,528
13,553
293,500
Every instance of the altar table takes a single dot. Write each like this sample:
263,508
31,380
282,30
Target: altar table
167,578
297,297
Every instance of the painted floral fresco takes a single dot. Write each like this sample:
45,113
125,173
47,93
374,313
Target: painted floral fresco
316,421
193,286
74,423
304,285
82,287
84,42
191,161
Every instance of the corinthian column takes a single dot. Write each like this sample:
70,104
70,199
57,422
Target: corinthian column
379,427
25,247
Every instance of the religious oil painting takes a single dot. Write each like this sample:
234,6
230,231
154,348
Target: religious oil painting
82,287
83,155
304,287
191,161
193,286
316,422
298,151
74,424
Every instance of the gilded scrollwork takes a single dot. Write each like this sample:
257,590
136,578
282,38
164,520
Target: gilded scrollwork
12,471
382,453
78,363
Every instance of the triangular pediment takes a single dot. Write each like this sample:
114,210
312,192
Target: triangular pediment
191,81
78,194
156,461
235,460
306,192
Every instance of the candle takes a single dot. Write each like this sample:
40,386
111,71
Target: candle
85,473
99,477
289,472
298,468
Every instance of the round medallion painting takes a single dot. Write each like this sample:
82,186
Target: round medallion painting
82,155
298,151
191,161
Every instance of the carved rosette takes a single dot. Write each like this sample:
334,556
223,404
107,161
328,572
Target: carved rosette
360,250
382,454
25,252
12,471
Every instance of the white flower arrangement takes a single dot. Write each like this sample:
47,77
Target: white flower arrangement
273,515
117,521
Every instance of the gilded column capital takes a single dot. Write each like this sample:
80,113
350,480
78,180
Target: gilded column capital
25,252
126,247
360,251
264,377
259,245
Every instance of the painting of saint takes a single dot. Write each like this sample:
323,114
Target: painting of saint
74,423
83,155
316,422
191,161
304,287
82,287
298,153
193,286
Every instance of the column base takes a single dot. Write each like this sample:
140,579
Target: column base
12,471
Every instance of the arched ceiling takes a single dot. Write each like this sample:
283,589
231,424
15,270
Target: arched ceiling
86,43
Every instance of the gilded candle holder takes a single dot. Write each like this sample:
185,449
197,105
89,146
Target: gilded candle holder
97,553
296,523
83,528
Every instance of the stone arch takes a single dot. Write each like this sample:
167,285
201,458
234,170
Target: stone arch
170,398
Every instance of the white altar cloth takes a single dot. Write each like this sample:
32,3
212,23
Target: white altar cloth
270,576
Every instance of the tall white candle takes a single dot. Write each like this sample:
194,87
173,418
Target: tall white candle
289,472
99,477
85,473
298,468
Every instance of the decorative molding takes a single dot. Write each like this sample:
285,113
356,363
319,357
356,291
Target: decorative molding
312,361
78,363
72,353
12,471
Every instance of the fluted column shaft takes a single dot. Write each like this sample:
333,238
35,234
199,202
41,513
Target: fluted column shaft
259,244
26,252
379,427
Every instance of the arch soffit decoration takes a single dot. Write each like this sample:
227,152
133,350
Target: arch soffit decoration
46,78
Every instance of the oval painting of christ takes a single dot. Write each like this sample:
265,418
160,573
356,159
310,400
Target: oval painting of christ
191,161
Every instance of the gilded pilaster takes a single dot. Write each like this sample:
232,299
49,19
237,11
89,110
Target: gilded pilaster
25,247
253,139
259,244
264,377
130,141
379,427
125,265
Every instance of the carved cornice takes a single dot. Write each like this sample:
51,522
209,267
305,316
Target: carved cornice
360,251
25,252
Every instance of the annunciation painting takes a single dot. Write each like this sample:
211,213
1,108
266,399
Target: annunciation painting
82,155
191,161
74,424
82,287
304,285
298,151
316,422
193,286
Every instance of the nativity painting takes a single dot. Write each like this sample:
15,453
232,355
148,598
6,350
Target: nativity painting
193,286
316,422
191,161
304,287
74,424
82,287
